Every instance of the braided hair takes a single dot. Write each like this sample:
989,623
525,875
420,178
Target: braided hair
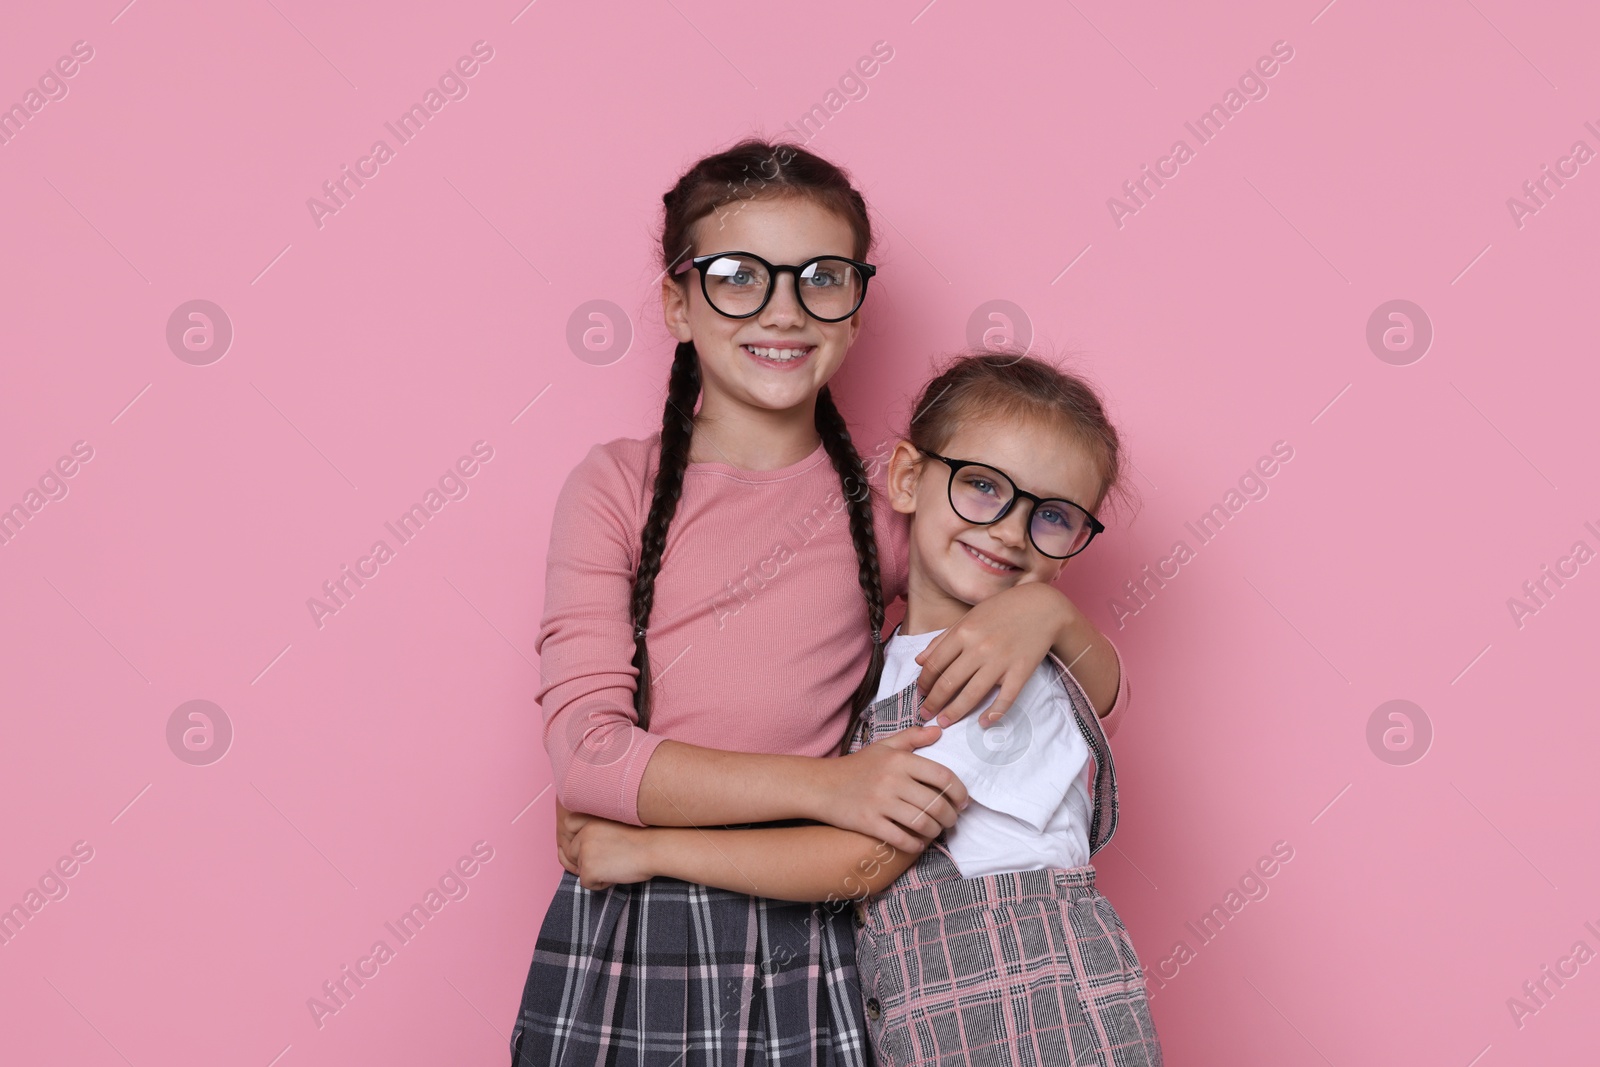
750,169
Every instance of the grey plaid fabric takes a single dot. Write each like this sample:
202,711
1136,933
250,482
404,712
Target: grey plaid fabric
1027,968
667,973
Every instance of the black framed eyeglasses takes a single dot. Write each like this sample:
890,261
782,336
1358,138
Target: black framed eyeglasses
983,495
739,284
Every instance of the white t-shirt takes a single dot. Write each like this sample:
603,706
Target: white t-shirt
1027,775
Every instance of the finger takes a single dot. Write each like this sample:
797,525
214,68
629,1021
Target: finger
936,659
928,818
912,737
918,819
955,677
1010,687
896,836
975,691
938,779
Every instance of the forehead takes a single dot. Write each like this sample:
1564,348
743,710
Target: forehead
779,229
1041,457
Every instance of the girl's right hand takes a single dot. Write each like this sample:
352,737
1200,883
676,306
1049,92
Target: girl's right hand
888,793
607,853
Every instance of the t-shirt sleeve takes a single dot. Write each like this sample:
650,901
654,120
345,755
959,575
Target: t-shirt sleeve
585,644
1024,765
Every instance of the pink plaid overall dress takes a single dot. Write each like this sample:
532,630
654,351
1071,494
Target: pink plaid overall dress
1027,968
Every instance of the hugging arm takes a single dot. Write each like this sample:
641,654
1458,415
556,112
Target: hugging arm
1001,640
604,764
801,863
885,790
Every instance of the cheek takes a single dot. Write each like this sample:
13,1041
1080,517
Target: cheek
936,527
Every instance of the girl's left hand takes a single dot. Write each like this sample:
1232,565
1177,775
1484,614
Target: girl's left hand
998,642
607,853
568,823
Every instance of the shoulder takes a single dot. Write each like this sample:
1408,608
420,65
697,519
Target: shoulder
625,459
621,469
1050,697
608,489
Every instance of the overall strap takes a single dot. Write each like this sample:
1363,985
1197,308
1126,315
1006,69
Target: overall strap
890,715
895,712
1103,820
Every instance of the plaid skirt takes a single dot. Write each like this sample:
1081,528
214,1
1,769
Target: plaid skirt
667,973
1027,968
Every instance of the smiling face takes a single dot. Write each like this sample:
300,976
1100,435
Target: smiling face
778,359
954,563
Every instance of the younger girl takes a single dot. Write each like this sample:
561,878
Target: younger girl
994,947
714,595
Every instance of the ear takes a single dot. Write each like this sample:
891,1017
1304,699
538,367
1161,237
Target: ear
675,308
905,470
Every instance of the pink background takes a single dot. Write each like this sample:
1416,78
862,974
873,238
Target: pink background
1230,312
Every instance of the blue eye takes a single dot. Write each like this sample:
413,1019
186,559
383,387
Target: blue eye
1057,517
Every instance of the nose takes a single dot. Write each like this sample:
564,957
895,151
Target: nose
784,308
1012,531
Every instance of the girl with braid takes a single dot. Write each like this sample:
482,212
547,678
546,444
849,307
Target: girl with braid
714,604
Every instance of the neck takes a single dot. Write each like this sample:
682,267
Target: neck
752,438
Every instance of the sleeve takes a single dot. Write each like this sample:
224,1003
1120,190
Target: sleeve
585,644
1023,766
1119,704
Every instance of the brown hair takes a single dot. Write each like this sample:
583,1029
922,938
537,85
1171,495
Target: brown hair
751,169
1014,386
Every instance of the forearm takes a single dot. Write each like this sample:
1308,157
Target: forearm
1090,657
802,863
686,785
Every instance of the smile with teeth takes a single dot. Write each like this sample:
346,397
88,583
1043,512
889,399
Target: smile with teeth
777,355
989,561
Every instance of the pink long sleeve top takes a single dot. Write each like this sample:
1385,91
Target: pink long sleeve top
758,636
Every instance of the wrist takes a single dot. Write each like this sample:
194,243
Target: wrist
654,860
1073,630
812,783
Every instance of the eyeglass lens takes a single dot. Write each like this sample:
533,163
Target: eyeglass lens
979,494
827,288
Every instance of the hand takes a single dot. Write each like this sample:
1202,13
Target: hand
998,642
608,853
888,793
568,823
